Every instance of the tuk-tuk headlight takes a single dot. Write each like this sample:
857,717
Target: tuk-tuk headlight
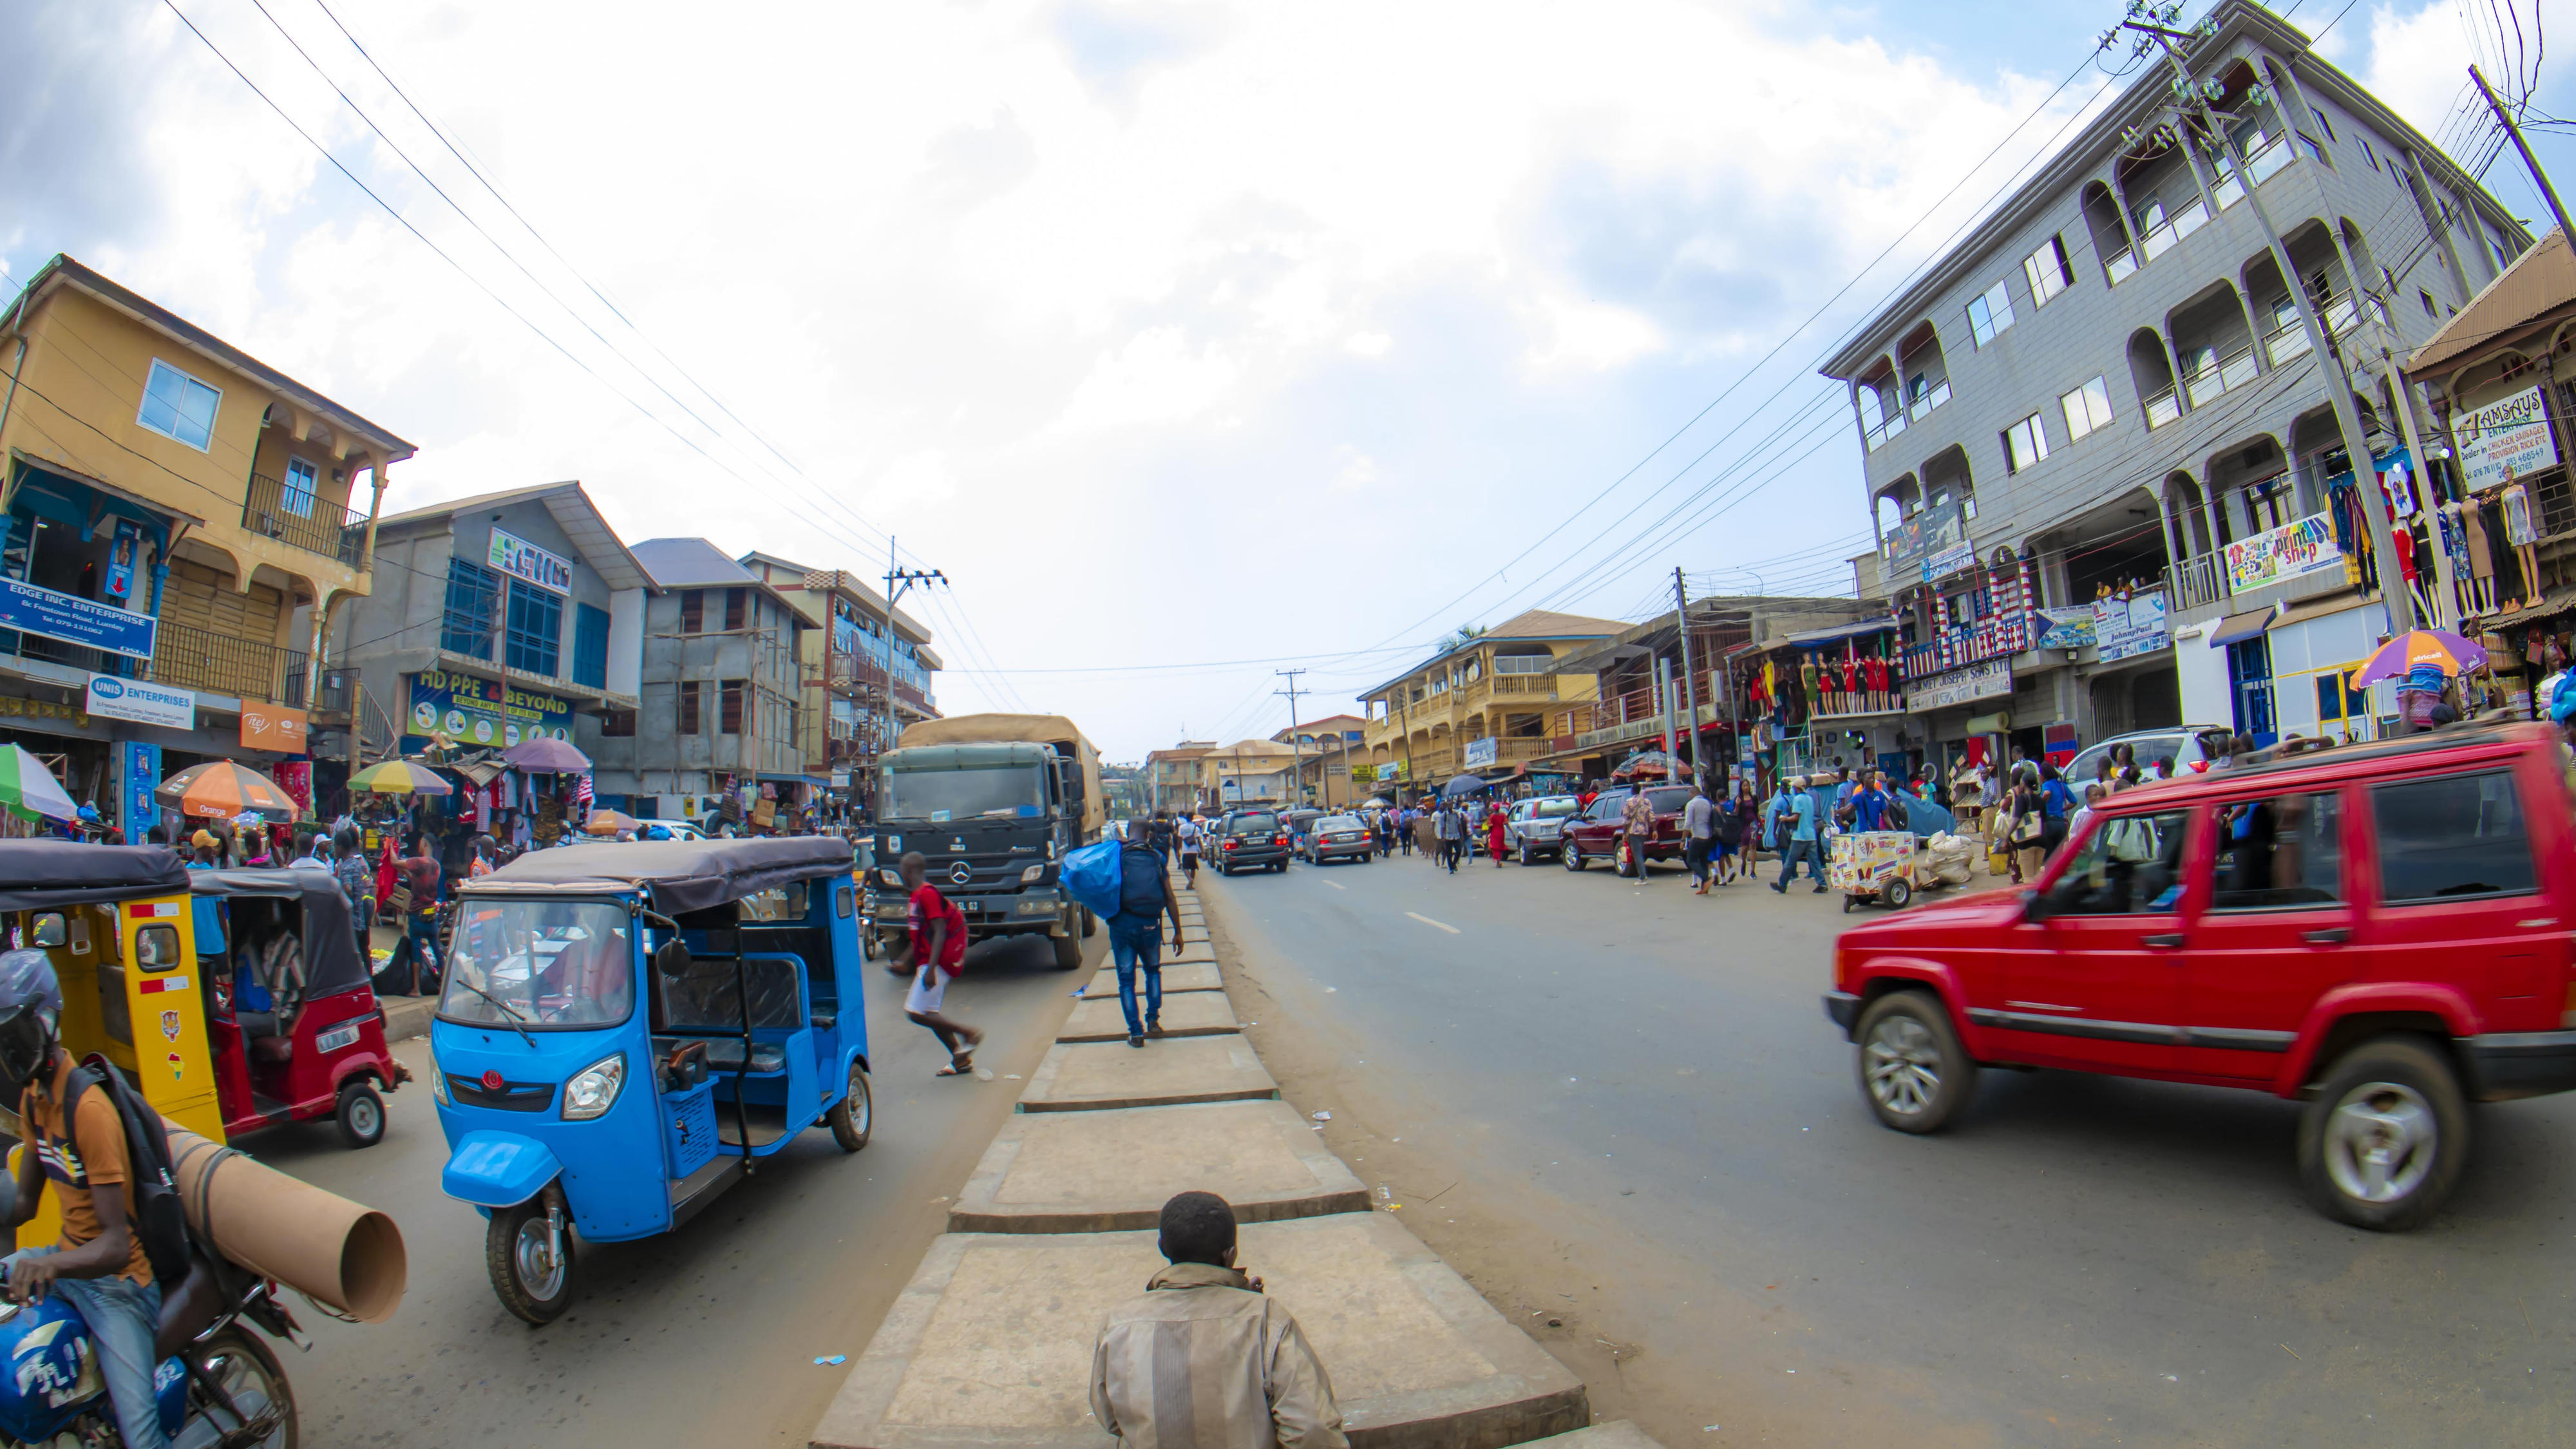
593,1090
437,1081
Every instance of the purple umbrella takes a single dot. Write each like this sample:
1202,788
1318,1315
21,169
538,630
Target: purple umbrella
546,755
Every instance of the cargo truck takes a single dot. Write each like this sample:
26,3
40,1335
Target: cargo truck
992,802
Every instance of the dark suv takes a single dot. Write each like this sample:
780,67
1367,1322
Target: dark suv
1597,834
1251,841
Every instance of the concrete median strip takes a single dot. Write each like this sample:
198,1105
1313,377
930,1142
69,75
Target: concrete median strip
1098,1172
990,1343
1189,1013
1197,976
1617,1434
1095,1076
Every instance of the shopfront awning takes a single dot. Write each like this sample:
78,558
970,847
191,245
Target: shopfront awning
2341,601
819,782
2237,628
1836,634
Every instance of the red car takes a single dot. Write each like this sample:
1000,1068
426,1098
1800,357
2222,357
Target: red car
2381,931
1601,834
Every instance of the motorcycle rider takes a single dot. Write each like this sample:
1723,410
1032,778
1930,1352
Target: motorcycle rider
99,1265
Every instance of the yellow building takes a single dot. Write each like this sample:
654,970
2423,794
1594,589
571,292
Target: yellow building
180,526
1483,704
849,688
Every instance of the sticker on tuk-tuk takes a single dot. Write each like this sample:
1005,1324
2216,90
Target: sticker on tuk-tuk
156,984
170,1025
178,1068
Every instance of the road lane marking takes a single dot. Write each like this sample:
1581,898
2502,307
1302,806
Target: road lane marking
1337,885
1426,920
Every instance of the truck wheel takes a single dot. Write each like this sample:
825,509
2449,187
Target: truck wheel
1913,1070
2383,1142
1068,952
362,1114
1090,924
528,1276
852,1116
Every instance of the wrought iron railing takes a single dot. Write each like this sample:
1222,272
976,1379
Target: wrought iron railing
195,658
305,520
2196,582
2163,407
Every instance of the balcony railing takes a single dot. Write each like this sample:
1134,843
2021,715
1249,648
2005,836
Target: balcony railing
2163,407
2286,342
1893,425
2197,582
2234,370
220,664
1932,397
2120,266
311,523
2156,240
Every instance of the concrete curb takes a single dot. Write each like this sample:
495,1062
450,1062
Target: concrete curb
407,1016
1051,1172
1104,1076
1189,1013
1616,1434
1196,976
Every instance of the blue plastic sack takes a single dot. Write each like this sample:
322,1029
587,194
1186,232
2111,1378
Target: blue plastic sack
1091,876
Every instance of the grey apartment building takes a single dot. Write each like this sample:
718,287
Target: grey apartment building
720,692
2107,481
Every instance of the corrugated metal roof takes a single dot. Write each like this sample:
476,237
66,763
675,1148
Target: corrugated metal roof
2539,280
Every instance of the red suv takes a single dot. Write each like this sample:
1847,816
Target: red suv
2381,931
1599,832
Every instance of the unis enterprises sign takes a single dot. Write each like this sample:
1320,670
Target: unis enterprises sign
142,702
521,559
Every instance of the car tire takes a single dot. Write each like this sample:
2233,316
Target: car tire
1573,856
2385,1138
1913,1071
362,1114
1526,858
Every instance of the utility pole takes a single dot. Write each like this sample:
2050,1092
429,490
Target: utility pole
2539,177
1664,705
1299,772
2347,410
899,581
1690,687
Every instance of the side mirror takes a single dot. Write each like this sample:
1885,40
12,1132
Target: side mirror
50,930
2035,909
671,958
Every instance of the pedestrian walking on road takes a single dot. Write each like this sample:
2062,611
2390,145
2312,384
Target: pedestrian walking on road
1452,826
934,952
2026,824
1136,938
1801,830
1404,829
1638,815
1494,819
1699,833
1188,835
1733,853
1204,1358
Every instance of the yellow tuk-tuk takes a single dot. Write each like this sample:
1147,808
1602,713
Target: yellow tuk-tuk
116,922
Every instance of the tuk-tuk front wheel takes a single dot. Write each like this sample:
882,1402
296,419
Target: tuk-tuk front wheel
362,1114
854,1114
530,1259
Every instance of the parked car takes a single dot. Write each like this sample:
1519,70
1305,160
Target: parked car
1300,823
1341,837
2185,745
2381,931
1533,827
1251,840
1596,834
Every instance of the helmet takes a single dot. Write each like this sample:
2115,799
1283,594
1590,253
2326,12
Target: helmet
31,1001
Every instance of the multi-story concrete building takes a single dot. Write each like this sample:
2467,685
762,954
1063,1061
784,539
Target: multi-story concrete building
863,680
1484,703
180,529
2102,451
1336,755
1172,778
719,683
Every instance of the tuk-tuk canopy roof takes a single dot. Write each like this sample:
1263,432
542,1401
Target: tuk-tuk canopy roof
331,963
683,875
40,875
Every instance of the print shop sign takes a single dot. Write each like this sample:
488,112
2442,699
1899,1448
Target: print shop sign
2505,438
2282,553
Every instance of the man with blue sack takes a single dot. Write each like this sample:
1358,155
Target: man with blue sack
1135,933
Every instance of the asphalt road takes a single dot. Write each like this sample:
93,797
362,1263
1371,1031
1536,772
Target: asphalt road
706,1336
1622,1112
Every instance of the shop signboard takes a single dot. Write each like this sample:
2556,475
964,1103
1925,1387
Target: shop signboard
2127,628
1480,753
471,710
1394,771
2067,629
272,727
1930,545
1991,679
2505,439
295,777
2286,552
142,702
142,764
33,610
521,559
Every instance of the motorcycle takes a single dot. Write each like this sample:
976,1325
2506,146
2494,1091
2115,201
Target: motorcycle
218,1385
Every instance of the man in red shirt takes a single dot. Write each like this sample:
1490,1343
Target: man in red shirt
935,952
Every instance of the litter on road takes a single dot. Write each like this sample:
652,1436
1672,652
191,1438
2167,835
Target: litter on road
835,1361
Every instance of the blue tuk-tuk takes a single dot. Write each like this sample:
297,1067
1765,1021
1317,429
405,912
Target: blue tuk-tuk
627,1029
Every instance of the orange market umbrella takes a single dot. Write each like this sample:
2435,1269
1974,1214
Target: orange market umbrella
222,789
609,822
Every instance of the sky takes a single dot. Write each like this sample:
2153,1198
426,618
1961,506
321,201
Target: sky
1189,342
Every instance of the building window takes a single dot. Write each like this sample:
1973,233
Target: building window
1990,314
590,646
729,716
2025,443
618,724
2322,122
688,692
2087,408
300,478
536,629
176,405
2048,271
736,601
2427,299
473,593
693,611
2369,153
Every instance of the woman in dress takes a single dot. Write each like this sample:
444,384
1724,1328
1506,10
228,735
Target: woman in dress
1494,831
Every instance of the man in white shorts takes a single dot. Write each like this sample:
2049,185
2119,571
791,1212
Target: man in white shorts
935,952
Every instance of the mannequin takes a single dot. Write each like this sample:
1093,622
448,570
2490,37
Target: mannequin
2518,531
2480,578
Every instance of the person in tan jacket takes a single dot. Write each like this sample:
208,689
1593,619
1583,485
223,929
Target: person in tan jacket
1203,1360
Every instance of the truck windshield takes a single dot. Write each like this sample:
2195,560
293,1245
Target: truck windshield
992,791
538,963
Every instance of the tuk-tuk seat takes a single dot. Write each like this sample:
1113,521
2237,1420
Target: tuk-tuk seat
273,1049
725,1055
708,997
823,1020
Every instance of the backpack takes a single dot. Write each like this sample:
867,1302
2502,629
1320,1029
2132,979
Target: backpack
157,1218
1091,877
1140,885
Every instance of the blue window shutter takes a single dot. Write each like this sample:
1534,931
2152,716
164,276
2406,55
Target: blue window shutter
590,646
472,593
